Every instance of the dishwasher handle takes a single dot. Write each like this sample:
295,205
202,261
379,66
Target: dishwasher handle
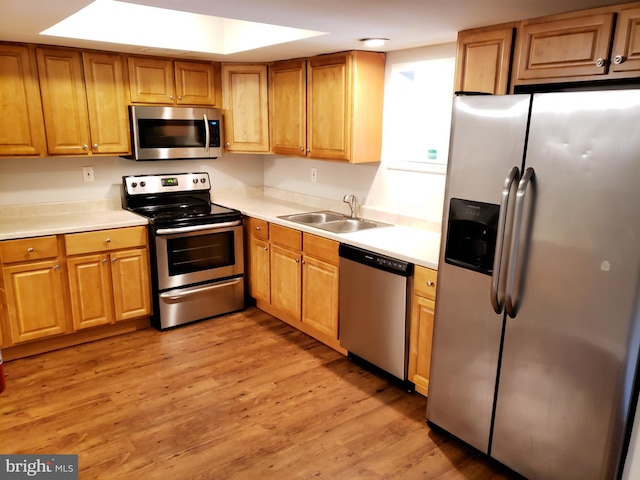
375,260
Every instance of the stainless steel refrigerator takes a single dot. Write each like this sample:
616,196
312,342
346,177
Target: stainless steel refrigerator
537,320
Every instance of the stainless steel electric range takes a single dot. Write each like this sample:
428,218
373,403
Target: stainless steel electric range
196,247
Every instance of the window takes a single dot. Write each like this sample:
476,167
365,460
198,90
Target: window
418,115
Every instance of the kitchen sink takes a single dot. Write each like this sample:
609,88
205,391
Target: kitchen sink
333,221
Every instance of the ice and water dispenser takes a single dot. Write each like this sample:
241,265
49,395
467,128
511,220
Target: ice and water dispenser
471,235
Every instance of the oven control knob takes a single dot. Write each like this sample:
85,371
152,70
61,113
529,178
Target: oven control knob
195,180
134,185
143,184
202,180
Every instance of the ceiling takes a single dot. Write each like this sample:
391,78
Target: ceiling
407,23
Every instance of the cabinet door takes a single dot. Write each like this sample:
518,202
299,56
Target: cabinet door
246,108
197,83
35,300
287,90
106,102
286,282
421,341
259,271
483,59
320,296
131,284
626,47
564,47
64,101
328,107
151,80
21,125
90,289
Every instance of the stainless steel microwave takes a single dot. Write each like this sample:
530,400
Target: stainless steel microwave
175,133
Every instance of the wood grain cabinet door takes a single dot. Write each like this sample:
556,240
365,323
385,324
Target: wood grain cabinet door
106,102
288,107
625,56
35,300
483,60
90,290
259,270
151,80
131,283
421,341
566,47
64,101
320,296
21,124
286,282
198,83
246,108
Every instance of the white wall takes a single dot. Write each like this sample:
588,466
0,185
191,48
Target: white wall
414,194
59,179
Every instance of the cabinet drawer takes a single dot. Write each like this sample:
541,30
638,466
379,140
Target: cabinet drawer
424,282
287,237
258,228
105,240
26,249
321,248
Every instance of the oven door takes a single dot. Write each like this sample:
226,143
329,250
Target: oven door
197,254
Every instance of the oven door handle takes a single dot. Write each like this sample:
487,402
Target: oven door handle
198,228
187,292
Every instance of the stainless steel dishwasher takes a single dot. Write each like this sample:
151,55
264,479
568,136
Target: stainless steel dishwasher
375,308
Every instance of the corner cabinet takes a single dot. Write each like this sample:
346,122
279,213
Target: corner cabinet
483,59
83,102
21,124
246,108
294,277
421,336
329,106
164,81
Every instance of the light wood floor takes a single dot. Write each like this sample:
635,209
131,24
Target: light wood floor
239,397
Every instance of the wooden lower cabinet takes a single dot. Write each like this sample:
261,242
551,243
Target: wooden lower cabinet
61,290
294,276
421,337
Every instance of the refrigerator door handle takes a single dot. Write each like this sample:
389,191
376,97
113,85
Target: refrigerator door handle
512,177
510,305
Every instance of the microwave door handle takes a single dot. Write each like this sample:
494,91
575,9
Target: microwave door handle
512,177
207,133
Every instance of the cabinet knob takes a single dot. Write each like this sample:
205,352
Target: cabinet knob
95,146
170,97
618,59
297,260
302,149
179,97
430,283
600,62
104,260
30,249
56,267
266,248
308,150
114,259
258,228
108,240
227,144
85,147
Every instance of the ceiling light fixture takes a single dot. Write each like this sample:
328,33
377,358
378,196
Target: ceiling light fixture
374,42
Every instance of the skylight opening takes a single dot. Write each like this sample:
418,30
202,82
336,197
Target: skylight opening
130,24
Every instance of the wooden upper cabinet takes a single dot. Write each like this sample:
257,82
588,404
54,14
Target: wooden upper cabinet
64,101
163,81
625,55
564,47
246,108
288,107
21,123
106,101
83,102
483,60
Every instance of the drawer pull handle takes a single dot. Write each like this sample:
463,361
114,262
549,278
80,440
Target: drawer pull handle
430,283
30,249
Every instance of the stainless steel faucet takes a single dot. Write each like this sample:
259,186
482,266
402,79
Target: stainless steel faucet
352,201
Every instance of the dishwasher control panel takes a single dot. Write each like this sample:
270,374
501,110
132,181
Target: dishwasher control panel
376,260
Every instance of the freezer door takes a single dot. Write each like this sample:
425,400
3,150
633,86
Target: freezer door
570,352
488,135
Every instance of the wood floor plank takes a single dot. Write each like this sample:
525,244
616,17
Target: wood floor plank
244,396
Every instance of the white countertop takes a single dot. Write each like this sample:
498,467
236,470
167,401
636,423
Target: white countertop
51,219
414,245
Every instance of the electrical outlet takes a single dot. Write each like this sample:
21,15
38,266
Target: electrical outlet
87,174
314,175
